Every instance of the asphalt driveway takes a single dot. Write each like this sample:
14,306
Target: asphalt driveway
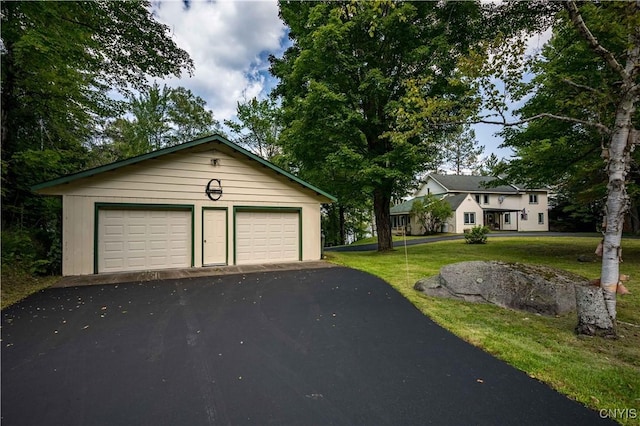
308,347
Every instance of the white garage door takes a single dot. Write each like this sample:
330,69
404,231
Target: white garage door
135,240
264,237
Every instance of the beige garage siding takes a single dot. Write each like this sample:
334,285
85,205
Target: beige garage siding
184,176
267,236
138,239
177,180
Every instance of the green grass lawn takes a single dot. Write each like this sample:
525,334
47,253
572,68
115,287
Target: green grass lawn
602,374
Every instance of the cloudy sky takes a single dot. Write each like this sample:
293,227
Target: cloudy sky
230,41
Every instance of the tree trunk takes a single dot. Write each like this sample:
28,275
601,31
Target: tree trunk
622,141
593,317
341,222
381,207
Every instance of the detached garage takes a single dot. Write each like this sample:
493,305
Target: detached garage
207,202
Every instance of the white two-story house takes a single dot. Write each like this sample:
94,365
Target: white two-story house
475,202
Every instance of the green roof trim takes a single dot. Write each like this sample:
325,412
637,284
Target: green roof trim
169,150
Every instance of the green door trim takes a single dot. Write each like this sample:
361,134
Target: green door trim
138,206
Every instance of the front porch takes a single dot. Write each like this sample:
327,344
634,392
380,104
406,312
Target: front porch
501,219
401,224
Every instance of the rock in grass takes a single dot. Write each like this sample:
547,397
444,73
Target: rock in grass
427,283
532,288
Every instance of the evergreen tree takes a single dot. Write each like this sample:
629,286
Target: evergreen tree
461,151
158,118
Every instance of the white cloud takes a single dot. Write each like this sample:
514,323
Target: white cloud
229,42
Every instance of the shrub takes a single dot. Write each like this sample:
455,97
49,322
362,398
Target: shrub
34,253
477,235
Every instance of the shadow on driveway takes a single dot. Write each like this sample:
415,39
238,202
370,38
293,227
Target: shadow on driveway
323,346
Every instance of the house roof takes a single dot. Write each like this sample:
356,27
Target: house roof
455,200
405,207
468,184
169,150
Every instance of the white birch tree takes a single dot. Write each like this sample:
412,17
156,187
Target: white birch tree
618,23
610,33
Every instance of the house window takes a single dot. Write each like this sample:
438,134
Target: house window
533,198
540,218
478,198
507,218
469,218
485,199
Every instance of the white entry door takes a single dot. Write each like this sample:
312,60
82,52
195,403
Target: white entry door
214,237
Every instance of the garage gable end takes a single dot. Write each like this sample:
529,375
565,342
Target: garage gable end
186,171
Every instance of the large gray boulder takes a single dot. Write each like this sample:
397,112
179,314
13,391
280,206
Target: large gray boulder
533,288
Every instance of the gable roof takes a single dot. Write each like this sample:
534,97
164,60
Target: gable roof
405,207
460,183
169,150
455,200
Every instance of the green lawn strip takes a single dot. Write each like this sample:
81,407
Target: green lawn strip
602,374
16,284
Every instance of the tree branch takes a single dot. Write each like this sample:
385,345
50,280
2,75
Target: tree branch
580,86
578,22
601,127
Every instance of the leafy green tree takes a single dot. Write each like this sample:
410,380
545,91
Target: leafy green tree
340,224
258,127
419,211
431,212
583,112
598,105
60,63
158,118
341,82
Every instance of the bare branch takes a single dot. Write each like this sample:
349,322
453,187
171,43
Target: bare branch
580,86
578,22
601,127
